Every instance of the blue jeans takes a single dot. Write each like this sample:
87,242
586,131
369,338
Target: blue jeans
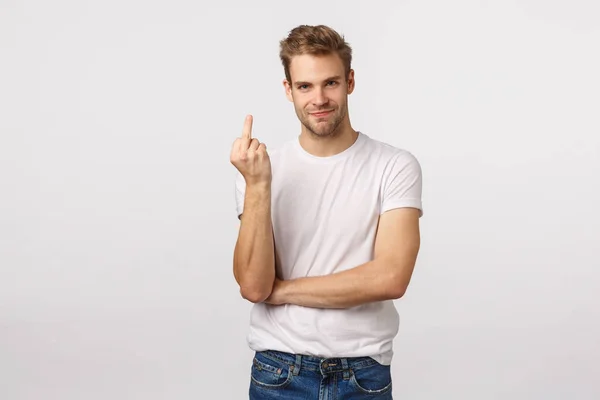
277,375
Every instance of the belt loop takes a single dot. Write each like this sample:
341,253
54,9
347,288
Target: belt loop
345,368
296,367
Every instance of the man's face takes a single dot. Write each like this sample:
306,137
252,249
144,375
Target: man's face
319,91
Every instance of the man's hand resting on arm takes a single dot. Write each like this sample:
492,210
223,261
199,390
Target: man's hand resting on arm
385,278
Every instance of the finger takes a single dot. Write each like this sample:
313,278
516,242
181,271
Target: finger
261,152
254,143
247,131
247,151
246,136
251,152
235,147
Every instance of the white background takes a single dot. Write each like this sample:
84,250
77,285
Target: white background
117,212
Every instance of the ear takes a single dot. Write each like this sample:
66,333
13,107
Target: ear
288,90
351,81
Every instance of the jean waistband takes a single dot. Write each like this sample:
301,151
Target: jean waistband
325,365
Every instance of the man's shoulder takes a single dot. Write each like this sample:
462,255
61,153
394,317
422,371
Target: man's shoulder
386,151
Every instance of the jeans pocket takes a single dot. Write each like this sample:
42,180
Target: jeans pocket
374,379
269,373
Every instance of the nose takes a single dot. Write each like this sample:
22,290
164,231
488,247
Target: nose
320,99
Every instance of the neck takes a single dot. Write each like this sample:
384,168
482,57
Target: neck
326,146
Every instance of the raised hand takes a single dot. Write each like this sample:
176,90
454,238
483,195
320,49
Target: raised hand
250,156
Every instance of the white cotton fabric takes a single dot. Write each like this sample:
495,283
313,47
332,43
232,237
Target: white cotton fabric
325,213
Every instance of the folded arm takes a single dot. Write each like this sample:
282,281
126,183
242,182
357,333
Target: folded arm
386,277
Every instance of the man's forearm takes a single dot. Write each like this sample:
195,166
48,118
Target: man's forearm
373,281
254,256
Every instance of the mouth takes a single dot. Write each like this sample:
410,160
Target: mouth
321,113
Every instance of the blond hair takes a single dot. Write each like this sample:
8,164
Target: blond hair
314,40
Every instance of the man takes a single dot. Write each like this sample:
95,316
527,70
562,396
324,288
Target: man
329,237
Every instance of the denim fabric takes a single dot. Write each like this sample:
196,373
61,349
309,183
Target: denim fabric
277,375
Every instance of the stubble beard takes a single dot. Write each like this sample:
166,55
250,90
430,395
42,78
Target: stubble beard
322,130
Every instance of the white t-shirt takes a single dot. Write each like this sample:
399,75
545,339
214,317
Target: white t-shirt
325,212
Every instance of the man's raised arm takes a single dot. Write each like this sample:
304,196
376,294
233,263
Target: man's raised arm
254,254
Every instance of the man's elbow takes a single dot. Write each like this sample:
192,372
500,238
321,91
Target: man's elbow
397,285
254,287
255,294
397,291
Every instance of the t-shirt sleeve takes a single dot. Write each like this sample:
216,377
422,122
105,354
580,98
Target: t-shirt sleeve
402,183
240,191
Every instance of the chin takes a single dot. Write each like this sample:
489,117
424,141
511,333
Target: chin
321,129
329,132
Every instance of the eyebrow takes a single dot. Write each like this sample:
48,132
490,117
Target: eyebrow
332,78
